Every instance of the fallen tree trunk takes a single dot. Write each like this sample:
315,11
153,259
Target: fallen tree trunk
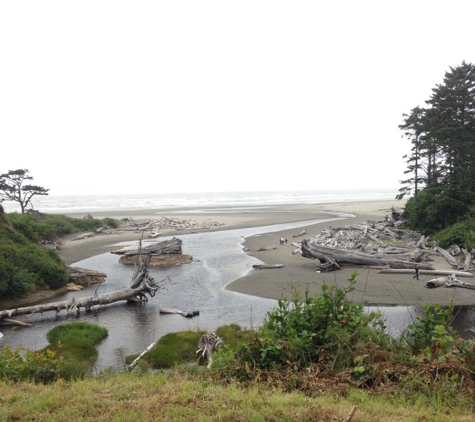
141,286
449,281
428,272
136,360
187,314
267,266
468,260
341,256
165,247
449,258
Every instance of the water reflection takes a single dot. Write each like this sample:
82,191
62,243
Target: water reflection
200,285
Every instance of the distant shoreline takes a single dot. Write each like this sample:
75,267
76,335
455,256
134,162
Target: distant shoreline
298,272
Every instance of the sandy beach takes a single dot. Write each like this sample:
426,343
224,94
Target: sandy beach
371,287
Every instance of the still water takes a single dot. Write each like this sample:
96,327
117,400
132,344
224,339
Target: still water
218,260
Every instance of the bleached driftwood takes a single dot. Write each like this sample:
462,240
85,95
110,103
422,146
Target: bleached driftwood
83,236
187,314
335,257
468,260
166,223
301,233
171,246
449,258
141,286
449,281
427,272
84,277
136,360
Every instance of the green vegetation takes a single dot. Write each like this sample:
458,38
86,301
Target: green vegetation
441,165
70,355
314,360
38,227
25,263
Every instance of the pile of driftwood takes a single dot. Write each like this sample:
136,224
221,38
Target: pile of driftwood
164,254
166,223
380,244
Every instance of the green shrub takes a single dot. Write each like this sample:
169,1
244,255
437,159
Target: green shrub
324,330
25,365
431,333
461,234
38,226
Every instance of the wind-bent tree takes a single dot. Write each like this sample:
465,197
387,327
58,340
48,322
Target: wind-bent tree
441,164
13,188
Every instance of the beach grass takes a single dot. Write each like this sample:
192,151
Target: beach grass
185,397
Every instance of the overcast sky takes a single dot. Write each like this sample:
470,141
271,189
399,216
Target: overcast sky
197,96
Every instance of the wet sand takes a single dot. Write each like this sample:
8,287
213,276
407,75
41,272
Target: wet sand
371,287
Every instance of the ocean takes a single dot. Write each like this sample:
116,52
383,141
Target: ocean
70,204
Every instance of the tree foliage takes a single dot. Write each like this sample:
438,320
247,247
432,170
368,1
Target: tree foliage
441,165
13,188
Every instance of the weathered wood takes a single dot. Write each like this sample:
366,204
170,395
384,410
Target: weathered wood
468,260
304,231
266,248
187,314
171,246
16,322
83,236
84,277
267,266
341,256
449,258
137,359
449,281
141,286
427,272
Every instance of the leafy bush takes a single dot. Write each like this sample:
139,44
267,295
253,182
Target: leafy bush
25,365
431,331
436,209
38,226
461,234
24,263
23,266
324,330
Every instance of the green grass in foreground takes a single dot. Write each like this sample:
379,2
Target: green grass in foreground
187,397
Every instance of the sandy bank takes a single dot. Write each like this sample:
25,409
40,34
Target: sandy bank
371,288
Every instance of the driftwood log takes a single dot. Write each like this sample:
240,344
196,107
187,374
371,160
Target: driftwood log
187,314
165,247
427,272
267,266
141,286
449,281
335,257
303,232
450,259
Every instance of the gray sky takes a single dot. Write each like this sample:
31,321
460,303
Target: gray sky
195,96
